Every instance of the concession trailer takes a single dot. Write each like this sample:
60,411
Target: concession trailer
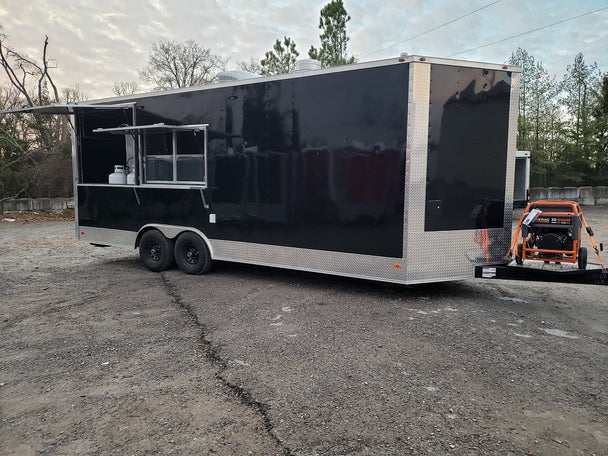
398,170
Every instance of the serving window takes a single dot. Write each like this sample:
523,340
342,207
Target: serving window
170,154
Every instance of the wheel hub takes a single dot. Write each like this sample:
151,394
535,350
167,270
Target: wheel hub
154,252
192,255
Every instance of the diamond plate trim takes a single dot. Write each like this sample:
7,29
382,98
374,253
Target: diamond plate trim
416,152
337,263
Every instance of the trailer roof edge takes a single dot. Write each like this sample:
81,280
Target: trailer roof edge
296,74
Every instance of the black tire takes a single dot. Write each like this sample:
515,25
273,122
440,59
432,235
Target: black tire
156,251
582,258
191,254
519,255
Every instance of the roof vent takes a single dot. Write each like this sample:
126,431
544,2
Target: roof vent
307,65
235,75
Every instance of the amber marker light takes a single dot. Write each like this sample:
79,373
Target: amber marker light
397,266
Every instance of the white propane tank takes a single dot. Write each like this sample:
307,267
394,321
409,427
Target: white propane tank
131,178
118,176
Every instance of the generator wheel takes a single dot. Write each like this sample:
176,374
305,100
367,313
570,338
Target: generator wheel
519,255
191,254
582,258
156,251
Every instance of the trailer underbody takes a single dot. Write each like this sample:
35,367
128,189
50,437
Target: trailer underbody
593,275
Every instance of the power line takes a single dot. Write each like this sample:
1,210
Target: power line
431,30
529,31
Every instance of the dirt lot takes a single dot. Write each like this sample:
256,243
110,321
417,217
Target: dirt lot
100,356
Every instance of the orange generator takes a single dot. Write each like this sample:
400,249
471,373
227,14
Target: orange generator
551,231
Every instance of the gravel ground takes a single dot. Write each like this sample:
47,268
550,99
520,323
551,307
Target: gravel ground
100,356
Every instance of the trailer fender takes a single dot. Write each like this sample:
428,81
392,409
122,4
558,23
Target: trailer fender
171,232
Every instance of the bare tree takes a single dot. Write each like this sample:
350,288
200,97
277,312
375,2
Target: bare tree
20,69
253,66
34,149
172,65
125,88
10,98
73,94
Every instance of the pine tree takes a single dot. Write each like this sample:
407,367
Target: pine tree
334,41
281,59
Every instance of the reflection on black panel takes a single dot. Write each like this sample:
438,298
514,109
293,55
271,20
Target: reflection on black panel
316,162
468,129
190,168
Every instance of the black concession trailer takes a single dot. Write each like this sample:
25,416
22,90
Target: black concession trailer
398,170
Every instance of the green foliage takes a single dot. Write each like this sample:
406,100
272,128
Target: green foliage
563,124
600,131
334,41
14,158
32,162
28,167
282,58
35,151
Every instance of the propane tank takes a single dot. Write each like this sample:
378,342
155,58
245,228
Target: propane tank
118,176
131,178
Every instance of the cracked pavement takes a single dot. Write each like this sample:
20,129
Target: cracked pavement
100,356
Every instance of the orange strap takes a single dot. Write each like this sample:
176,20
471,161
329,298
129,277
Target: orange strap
589,232
513,248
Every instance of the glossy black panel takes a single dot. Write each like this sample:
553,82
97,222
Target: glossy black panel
124,208
468,130
314,162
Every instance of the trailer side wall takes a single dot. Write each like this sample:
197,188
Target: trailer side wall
315,162
396,171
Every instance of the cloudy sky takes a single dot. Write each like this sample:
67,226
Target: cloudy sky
96,43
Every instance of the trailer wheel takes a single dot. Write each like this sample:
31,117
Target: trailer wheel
191,254
582,258
156,251
519,255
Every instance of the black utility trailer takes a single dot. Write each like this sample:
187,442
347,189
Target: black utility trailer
398,170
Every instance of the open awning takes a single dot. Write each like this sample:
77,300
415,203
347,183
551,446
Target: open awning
68,108
151,128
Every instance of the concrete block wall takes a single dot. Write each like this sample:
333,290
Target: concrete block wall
587,196
36,204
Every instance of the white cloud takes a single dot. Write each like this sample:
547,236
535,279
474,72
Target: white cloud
98,43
